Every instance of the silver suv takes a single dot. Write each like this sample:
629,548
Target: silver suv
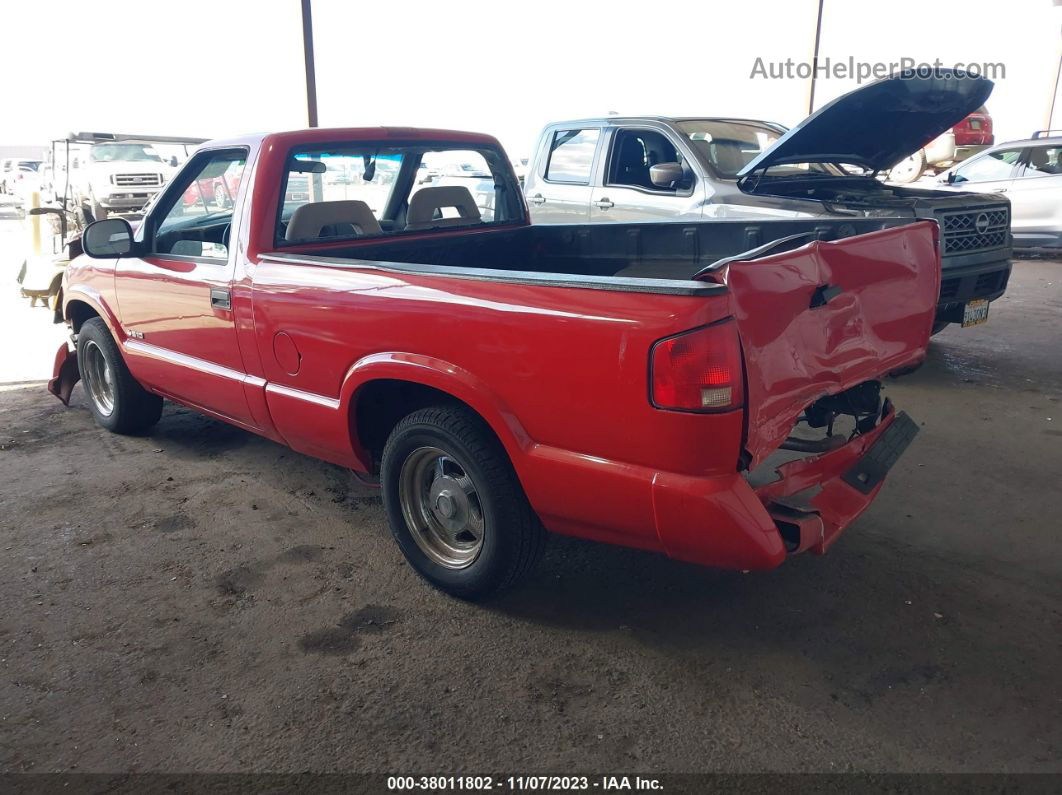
655,168
1029,172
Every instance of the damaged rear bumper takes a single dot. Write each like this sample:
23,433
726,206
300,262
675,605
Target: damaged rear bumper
65,372
816,498
734,524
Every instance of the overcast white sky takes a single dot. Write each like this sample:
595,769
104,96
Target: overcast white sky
215,68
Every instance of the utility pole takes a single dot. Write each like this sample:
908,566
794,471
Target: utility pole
1054,91
815,61
307,50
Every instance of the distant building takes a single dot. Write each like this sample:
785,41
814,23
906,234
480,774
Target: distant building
24,152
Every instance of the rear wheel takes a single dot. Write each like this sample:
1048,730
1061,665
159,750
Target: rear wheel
116,399
455,505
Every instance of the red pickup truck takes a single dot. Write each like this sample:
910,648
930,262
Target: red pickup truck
663,386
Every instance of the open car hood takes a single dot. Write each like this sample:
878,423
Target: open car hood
878,125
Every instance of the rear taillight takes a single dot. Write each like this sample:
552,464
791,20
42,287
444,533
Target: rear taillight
698,370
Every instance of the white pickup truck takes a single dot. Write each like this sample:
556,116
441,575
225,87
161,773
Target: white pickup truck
105,173
120,177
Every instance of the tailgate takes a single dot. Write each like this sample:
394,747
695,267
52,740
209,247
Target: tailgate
827,316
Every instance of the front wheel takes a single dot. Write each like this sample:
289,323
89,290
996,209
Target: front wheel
455,505
116,399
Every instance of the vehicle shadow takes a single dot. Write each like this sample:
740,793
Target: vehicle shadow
872,604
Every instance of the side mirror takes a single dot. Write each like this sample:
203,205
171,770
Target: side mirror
666,175
173,161
112,237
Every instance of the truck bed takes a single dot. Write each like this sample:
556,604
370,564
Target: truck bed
614,256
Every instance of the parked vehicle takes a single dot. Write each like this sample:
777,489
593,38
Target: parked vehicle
520,168
219,191
970,136
624,169
1029,172
14,171
628,383
120,177
107,173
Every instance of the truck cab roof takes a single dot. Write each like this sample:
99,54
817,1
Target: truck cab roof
625,120
316,135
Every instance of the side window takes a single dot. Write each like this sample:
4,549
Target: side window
571,155
634,152
1044,161
197,222
995,165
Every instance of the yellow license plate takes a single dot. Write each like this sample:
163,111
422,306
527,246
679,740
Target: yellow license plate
974,313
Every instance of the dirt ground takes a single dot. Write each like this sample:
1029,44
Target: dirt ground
203,599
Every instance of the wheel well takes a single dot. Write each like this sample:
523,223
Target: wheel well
380,405
78,312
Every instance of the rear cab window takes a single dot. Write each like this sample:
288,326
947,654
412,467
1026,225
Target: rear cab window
571,155
374,189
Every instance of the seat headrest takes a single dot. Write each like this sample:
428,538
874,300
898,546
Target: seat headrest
424,203
187,248
307,221
728,156
632,152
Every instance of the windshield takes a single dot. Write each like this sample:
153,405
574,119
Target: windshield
106,153
29,165
729,146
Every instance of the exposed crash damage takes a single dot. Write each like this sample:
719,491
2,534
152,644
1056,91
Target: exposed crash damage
836,156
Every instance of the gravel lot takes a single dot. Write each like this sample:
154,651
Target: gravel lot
203,599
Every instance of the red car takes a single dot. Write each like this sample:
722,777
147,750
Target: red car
970,136
628,383
217,192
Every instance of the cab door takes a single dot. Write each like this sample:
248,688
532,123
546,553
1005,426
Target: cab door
988,172
1036,197
175,301
627,193
559,190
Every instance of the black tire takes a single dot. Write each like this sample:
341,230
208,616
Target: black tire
133,407
939,326
512,535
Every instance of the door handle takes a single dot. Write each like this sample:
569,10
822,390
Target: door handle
1001,190
604,203
220,299
538,198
